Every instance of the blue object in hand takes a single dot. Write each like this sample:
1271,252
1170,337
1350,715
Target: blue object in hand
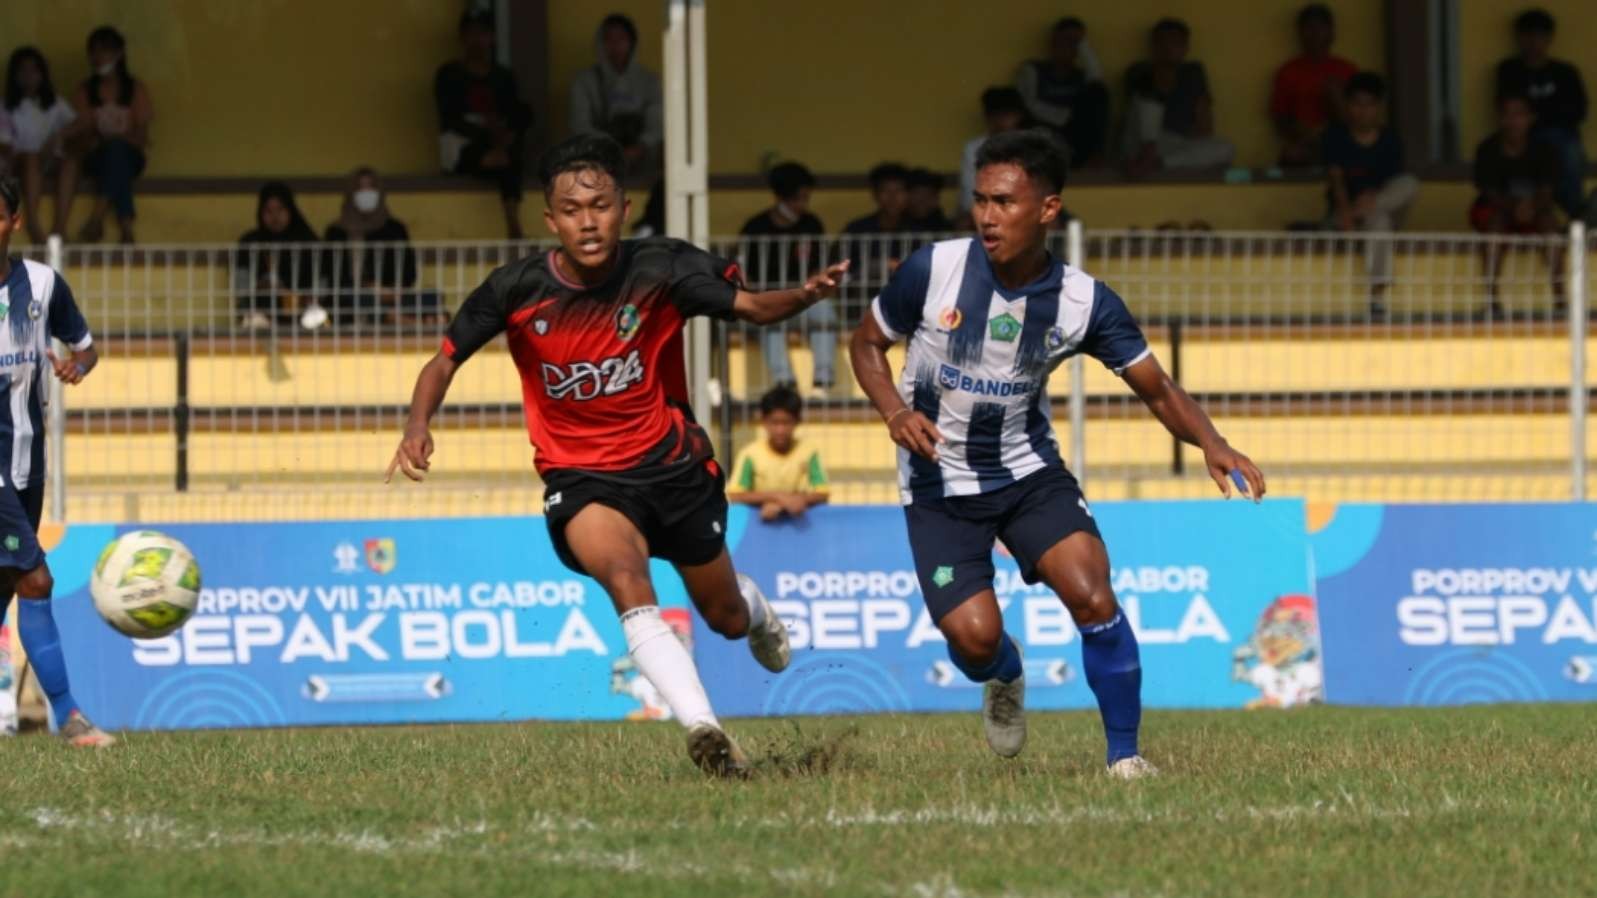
1242,485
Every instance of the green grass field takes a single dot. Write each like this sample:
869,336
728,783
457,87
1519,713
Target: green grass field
1490,801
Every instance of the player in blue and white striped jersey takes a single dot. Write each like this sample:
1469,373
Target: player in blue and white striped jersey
987,320
35,305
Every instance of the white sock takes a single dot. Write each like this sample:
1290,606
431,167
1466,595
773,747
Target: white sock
755,600
662,658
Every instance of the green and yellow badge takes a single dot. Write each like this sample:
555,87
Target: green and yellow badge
627,321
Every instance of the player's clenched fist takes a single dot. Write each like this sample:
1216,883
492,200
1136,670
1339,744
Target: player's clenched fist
915,432
415,448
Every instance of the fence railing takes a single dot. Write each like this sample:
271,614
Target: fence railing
1408,367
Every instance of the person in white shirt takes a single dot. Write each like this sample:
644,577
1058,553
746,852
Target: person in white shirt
34,122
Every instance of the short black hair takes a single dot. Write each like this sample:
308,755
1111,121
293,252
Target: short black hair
1171,24
1368,83
1067,23
782,398
10,194
583,152
1035,150
788,179
924,177
1515,94
888,171
995,100
106,36
477,18
1535,21
617,20
1316,12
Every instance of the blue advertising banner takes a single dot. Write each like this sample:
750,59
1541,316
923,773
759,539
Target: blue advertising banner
1219,594
359,622
1452,604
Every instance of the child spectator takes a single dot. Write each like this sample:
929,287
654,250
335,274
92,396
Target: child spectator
482,122
926,214
1005,110
1516,176
1368,185
375,275
1309,88
275,268
872,257
36,122
1063,95
1557,96
1171,120
780,474
113,109
619,97
784,251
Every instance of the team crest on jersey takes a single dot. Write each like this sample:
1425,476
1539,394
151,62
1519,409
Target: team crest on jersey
627,321
35,309
1005,328
541,326
1055,339
948,377
950,319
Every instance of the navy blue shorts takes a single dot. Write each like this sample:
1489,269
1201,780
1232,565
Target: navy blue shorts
20,511
952,538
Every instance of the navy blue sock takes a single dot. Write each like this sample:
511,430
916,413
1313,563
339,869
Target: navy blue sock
1114,672
42,641
1005,666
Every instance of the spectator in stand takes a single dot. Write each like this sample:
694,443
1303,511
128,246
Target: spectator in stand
873,258
1309,89
1368,184
1170,122
785,247
1558,97
1516,177
34,124
926,214
375,275
113,112
619,97
1062,94
482,121
780,475
1005,110
275,270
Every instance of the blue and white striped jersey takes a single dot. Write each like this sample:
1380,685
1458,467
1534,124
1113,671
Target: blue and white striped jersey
35,305
979,358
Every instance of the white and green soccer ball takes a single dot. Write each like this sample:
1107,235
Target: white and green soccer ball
145,584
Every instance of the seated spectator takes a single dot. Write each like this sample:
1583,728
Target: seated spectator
276,270
872,258
1005,110
1369,187
926,214
113,111
34,124
1061,94
1516,177
1558,97
375,276
1170,121
783,252
1309,88
619,97
482,122
780,475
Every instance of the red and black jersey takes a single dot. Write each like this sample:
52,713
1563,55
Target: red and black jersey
602,371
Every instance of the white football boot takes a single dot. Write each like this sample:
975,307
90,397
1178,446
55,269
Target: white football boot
1003,714
768,642
1133,768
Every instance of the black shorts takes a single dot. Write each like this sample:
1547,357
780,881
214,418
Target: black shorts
20,511
952,538
682,518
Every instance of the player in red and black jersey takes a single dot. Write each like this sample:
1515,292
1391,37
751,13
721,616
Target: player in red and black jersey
595,329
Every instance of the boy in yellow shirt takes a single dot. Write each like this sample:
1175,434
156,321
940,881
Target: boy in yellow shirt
781,474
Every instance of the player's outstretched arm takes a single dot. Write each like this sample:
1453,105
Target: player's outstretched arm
1186,421
416,446
772,306
867,351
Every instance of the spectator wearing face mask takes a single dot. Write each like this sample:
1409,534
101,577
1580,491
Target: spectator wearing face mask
113,121
371,261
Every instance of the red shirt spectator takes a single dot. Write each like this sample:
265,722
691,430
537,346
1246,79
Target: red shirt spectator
1308,89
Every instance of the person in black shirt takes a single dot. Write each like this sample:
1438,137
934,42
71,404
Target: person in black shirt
926,214
374,275
277,268
1368,186
786,250
1063,95
1170,122
482,122
873,257
1516,176
1557,96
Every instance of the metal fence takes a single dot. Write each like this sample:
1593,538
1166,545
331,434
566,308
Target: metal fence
1458,375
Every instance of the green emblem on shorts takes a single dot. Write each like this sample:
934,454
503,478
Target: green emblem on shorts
1005,328
944,575
627,321
13,544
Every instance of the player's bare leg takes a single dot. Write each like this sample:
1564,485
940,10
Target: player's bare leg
733,605
980,648
1077,569
612,550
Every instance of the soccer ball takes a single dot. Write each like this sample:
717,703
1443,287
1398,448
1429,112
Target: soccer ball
145,584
